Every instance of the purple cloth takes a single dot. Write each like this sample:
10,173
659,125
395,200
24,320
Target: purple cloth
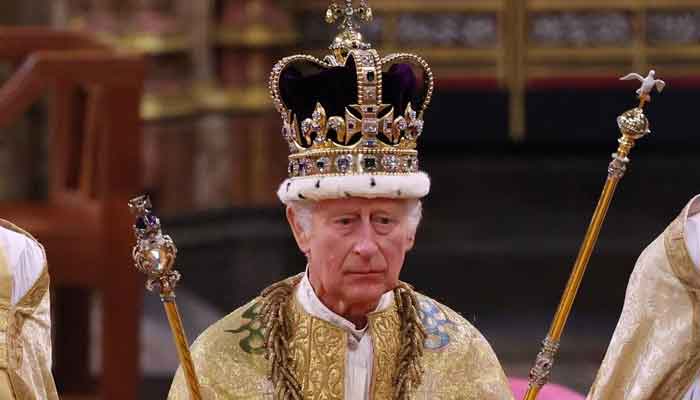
303,84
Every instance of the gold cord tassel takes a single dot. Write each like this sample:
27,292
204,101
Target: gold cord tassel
277,335
409,371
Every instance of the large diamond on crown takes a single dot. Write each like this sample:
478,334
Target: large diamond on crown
364,116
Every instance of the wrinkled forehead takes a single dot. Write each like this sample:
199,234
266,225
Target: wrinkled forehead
358,204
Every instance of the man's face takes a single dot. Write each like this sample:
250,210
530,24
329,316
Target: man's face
356,248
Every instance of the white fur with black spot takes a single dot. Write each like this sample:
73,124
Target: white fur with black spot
314,188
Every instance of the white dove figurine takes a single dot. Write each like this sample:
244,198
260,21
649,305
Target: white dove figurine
648,84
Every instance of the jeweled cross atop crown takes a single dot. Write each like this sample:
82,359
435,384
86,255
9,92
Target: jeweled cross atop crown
348,37
348,13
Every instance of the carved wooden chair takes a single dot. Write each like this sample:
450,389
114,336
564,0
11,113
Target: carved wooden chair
94,168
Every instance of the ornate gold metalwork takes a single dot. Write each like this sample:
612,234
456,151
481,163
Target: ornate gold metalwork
349,38
154,255
633,125
329,144
539,373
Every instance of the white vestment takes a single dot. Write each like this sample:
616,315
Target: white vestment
26,259
25,318
692,231
654,352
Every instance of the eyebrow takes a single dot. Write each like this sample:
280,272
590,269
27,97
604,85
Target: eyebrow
355,211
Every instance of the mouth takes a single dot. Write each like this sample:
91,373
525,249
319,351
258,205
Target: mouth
365,274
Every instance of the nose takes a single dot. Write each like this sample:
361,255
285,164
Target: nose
366,245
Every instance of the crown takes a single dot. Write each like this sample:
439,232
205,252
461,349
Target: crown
353,112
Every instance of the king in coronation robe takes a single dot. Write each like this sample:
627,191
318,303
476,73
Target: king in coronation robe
347,327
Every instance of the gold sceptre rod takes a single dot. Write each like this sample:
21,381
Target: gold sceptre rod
633,125
154,255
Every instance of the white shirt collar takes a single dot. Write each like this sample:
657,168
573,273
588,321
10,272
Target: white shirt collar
312,304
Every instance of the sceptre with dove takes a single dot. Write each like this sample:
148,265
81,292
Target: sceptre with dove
633,125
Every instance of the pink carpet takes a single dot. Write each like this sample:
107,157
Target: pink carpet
549,392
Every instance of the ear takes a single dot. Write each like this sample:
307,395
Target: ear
300,235
410,241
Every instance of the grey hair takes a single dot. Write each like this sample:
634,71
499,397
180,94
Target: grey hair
415,213
303,211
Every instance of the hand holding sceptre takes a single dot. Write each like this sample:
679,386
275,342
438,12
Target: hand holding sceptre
154,255
633,125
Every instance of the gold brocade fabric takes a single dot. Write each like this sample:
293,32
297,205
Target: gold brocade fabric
25,337
655,350
229,357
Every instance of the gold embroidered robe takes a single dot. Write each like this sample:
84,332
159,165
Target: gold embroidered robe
230,363
25,337
655,350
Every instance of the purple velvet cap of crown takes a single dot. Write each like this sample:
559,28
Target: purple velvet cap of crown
304,84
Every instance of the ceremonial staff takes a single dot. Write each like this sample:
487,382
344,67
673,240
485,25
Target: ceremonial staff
154,255
633,125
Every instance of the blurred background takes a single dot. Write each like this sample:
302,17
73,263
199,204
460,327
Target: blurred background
517,143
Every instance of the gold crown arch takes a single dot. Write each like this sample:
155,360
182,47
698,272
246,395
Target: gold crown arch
322,145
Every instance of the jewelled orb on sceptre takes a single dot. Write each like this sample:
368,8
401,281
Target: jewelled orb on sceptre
154,253
633,123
